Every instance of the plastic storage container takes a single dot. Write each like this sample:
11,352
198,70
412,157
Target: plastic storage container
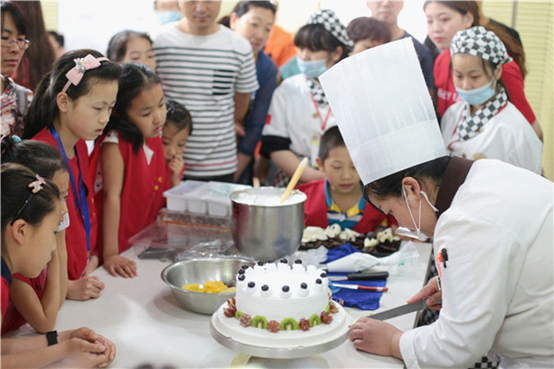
178,197
212,198
217,196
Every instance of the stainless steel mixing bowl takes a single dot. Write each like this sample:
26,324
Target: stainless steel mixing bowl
201,270
266,232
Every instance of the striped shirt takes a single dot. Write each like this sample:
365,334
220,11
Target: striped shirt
203,73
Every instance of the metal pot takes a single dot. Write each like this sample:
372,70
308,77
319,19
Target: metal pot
265,232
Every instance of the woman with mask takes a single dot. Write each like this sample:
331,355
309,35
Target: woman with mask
444,19
491,222
485,124
299,112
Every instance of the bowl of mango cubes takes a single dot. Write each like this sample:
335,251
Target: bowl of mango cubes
204,284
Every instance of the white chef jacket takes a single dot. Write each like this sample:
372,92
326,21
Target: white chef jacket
507,136
497,285
293,115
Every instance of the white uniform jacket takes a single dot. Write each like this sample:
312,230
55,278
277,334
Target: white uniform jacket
507,137
497,284
293,115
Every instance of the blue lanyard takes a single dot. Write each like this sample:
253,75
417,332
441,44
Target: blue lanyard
81,201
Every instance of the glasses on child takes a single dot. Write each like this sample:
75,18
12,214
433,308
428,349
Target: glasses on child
21,44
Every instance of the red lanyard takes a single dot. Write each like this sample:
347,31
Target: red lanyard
323,122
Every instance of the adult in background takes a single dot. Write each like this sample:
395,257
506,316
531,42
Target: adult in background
299,113
40,56
254,21
388,11
485,124
366,32
210,70
444,19
58,43
15,99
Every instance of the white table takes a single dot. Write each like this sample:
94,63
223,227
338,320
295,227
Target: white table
144,320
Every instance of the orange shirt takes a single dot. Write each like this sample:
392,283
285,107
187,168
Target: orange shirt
280,46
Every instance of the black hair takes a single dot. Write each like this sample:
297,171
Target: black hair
391,185
331,139
244,7
363,28
43,159
18,201
178,116
44,107
17,15
60,39
135,79
487,64
315,37
117,47
462,7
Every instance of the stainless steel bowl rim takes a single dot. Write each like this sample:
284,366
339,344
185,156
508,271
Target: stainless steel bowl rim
187,261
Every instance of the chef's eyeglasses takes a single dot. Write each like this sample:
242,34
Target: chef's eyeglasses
21,44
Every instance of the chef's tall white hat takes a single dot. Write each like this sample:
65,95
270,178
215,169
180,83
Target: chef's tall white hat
384,110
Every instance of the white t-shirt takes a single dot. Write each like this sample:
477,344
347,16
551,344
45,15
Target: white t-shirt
293,115
507,136
203,73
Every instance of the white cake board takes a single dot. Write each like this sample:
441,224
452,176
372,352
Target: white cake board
295,347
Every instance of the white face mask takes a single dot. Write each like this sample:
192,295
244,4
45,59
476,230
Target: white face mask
417,234
64,223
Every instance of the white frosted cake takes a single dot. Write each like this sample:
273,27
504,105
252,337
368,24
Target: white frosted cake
277,303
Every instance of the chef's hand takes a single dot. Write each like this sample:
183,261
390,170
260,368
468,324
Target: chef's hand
433,294
117,264
376,337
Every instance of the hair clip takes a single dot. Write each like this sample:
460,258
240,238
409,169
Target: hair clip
36,186
75,75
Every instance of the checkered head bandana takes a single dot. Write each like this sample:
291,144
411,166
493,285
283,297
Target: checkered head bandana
479,42
329,20
471,125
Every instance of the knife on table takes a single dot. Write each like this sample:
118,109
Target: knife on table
363,288
369,276
401,310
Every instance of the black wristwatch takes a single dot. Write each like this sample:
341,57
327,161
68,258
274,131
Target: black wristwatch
52,337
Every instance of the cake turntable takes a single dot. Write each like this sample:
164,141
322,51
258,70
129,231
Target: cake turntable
282,345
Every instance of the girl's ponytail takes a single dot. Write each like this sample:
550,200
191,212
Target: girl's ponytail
42,111
136,77
44,107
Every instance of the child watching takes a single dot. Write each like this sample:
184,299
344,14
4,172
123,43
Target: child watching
338,198
176,131
130,183
73,104
31,214
37,300
131,46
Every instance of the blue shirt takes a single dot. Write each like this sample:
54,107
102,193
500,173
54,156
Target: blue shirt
266,72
